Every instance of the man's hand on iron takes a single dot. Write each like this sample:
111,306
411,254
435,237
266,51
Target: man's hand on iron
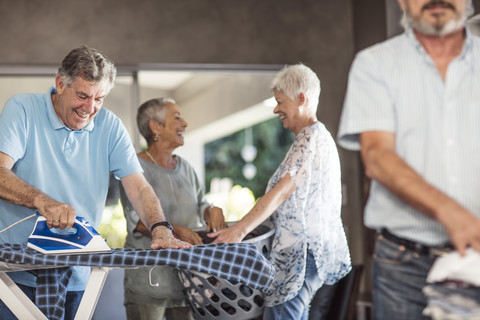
162,238
57,214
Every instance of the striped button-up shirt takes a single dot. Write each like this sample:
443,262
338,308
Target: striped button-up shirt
394,86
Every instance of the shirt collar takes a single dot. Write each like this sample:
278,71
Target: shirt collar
55,121
466,50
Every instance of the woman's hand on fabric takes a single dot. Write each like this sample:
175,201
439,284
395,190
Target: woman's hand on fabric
187,235
231,235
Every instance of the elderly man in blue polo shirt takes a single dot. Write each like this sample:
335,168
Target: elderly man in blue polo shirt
56,152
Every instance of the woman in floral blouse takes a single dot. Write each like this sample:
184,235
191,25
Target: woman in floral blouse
303,199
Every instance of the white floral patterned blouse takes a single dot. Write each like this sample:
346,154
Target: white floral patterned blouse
310,218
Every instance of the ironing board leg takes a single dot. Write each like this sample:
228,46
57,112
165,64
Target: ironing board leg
14,298
92,293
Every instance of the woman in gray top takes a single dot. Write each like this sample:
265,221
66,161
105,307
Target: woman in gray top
183,200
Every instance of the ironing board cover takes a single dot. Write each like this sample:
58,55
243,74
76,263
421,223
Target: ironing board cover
236,262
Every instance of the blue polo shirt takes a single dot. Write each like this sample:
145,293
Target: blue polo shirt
69,166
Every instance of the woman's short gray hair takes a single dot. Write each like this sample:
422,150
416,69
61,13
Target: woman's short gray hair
89,64
153,109
295,79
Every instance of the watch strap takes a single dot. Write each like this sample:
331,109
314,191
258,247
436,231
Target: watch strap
163,224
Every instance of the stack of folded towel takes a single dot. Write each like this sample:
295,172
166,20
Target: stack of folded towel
453,289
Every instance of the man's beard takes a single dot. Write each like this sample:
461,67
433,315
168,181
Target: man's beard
408,21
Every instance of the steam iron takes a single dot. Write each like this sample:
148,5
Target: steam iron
82,238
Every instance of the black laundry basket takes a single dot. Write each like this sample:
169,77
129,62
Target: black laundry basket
215,298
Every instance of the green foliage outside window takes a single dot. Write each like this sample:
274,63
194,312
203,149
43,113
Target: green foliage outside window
113,226
223,159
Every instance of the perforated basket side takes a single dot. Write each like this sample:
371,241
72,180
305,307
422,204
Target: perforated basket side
263,242
215,298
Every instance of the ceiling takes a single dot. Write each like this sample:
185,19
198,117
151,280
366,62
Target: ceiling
166,80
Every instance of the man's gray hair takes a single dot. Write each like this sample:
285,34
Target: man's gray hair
153,109
295,79
88,64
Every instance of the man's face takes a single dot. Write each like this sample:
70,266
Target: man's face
435,17
78,104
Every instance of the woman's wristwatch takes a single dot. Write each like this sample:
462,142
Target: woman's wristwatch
163,223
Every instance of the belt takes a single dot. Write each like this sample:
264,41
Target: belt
419,248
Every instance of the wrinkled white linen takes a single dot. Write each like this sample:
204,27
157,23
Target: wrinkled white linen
454,267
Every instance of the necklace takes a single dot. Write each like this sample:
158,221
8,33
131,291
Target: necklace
155,162
151,158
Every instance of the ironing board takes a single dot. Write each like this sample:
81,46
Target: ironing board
236,262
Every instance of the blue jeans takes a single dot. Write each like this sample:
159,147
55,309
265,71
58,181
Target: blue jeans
71,304
322,302
399,276
298,307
